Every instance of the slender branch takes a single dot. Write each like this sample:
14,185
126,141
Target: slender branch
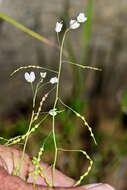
82,66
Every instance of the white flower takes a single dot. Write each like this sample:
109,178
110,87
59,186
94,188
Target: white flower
74,24
30,77
81,18
53,80
53,112
58,27
43,75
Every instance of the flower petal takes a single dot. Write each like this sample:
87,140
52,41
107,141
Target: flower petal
58,27
53,112
81,18
74,24
29,77
43,75
32,76
53,80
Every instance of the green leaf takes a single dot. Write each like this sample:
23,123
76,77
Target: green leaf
87,26
27,30
124,99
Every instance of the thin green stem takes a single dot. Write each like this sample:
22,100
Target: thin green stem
82,66
35,94
33,67
27,30
89,167
55,103
43,85
26,140
58,39
31,120
82,118
32,88
60,64
55,146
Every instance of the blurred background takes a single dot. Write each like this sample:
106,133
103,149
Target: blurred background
100,96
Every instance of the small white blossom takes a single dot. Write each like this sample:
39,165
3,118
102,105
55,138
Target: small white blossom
30,77
43,75
58,27
74,24
81,18
53,112
54,80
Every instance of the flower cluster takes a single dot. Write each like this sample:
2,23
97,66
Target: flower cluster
30,77
74,23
